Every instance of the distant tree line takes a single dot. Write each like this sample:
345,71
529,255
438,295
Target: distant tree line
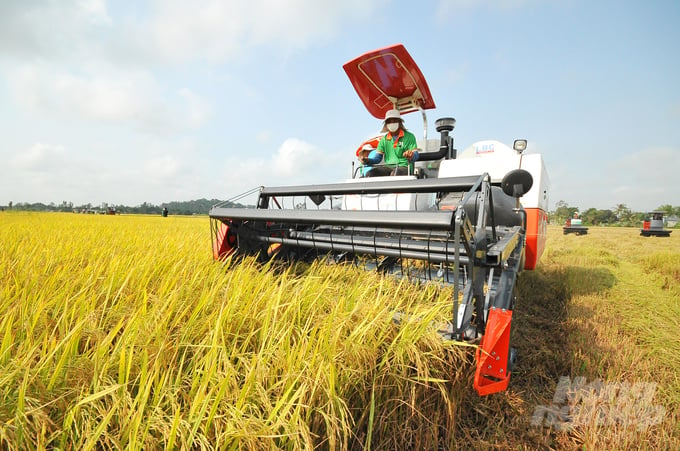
191,207
620,215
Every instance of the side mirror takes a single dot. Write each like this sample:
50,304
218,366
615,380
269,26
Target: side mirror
517,183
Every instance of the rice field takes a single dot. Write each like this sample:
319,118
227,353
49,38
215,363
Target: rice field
121,332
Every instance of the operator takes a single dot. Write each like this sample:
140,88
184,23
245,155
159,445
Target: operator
398,148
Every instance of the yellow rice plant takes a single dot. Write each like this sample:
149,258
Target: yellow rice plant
620,325
120,332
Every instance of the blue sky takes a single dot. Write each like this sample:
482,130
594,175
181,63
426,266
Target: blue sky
131,101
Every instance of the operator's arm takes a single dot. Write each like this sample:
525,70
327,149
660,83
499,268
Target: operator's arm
411,152
411,155
374,157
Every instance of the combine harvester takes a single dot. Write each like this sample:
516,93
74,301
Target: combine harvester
456,220
653,225
574,225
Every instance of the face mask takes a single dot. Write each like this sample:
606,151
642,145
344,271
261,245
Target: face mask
393,127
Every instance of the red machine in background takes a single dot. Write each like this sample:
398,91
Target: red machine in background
574,225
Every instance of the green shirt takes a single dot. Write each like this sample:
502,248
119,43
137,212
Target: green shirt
393,151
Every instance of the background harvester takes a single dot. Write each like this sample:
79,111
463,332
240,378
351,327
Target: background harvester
574,225
653,225
456,220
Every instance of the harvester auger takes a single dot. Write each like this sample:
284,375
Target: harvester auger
457,220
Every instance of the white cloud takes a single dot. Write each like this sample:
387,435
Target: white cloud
642,180
197,109
295,162
652,166
100,98
147,33
175,31
107,94
93,11
146,170
163,168
294,157
216,30
46,172
649,176
50,29
39,157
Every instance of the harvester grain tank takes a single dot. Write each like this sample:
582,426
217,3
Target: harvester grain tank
653,225
456,219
